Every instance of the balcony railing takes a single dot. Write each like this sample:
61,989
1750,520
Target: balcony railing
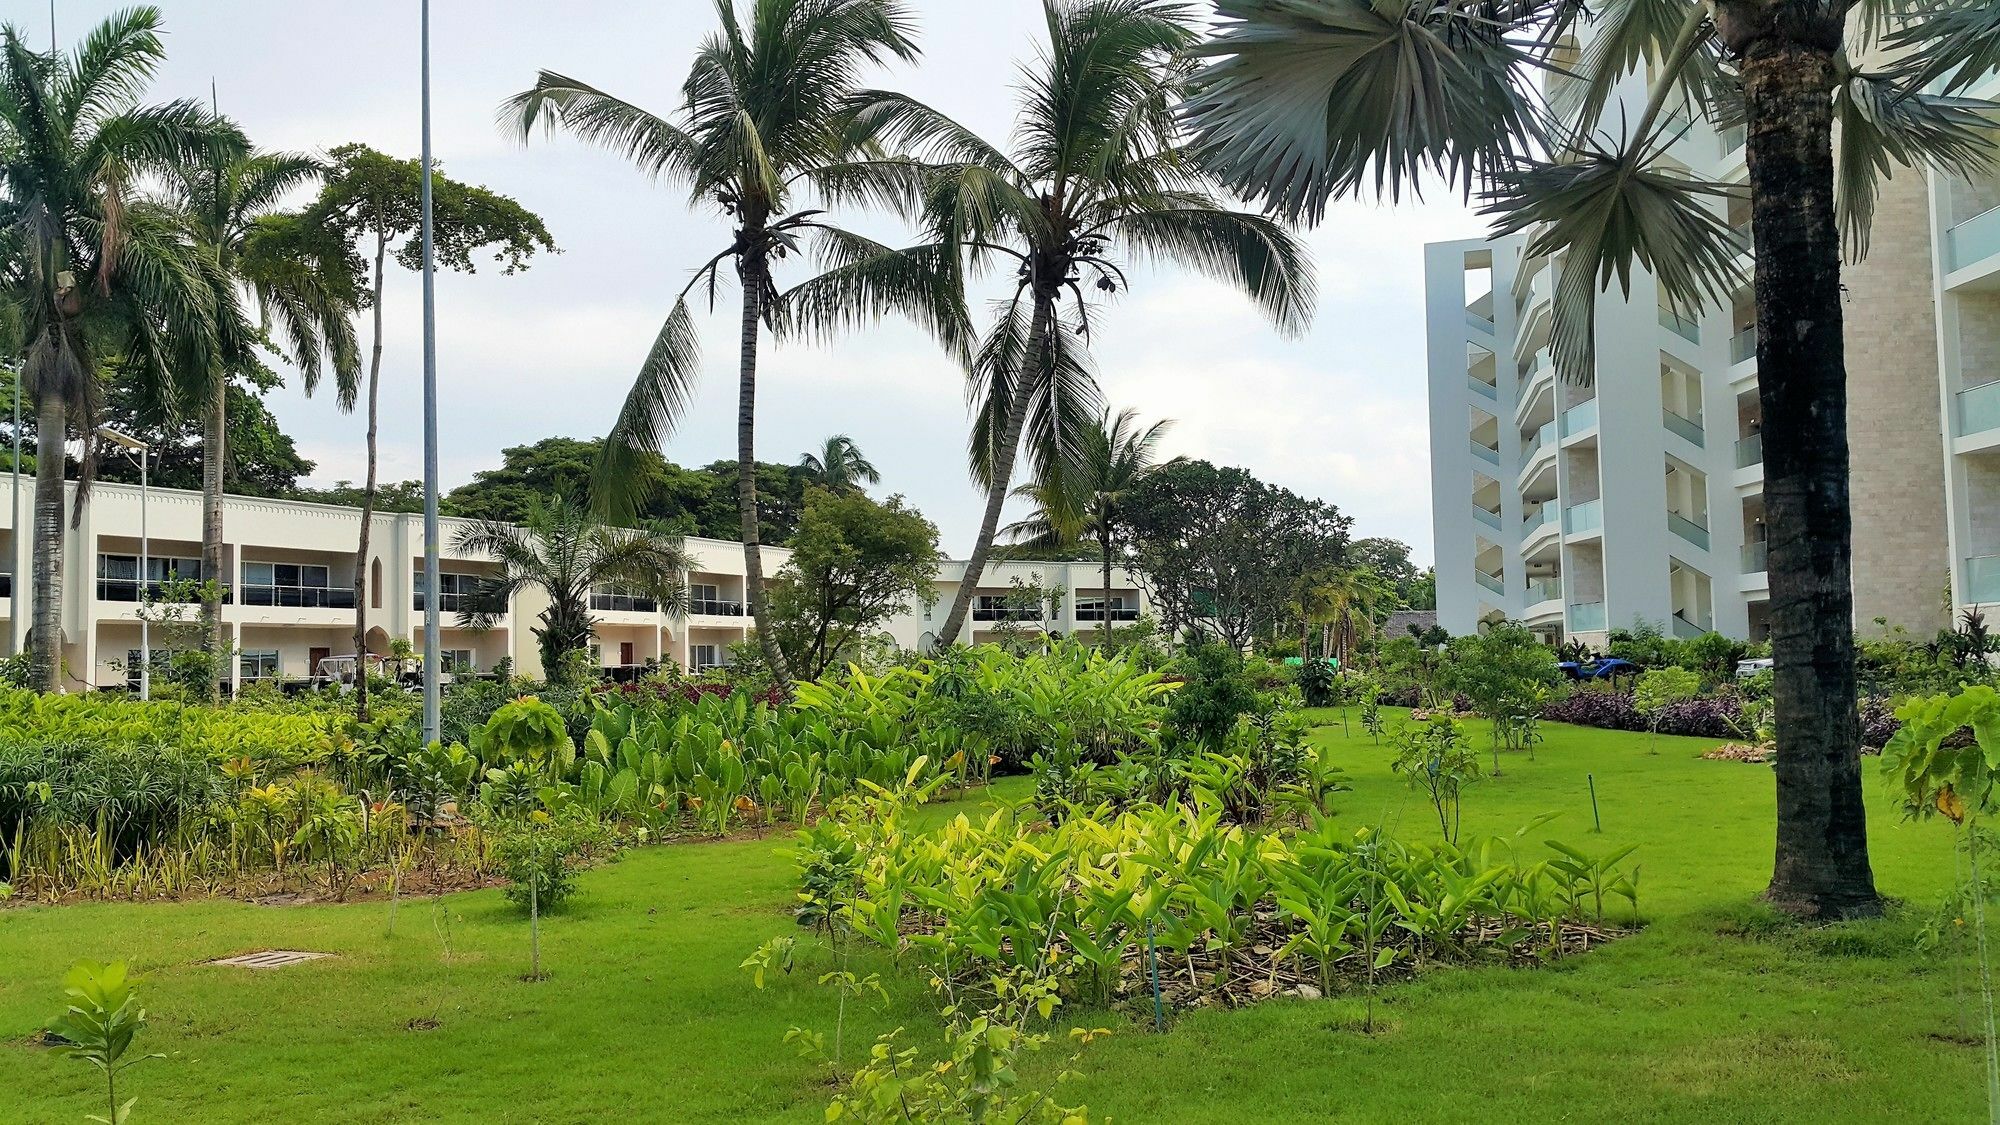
1579,418
1973,241
1685,629
715,607
1750,451
1482,388
1686,427
1544,437
1492,582
1486,453
1979,408
1490,519
127,590
1006,613
1479,321
1732,138
1688,529
1743,345
1586,617
1756,558
624,603
1544,590
1680,326
447,603
1539,518
297,597
1982,578
1587,516
1093,613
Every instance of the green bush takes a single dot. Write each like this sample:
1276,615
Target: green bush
1205,707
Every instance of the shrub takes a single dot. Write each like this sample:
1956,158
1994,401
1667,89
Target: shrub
542,853
1205,708
1316,683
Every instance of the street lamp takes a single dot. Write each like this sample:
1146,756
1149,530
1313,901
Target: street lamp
142,453
432,598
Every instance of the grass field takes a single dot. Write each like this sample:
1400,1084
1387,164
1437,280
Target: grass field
1716,1012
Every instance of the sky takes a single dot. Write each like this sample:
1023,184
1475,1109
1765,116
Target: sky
1336,414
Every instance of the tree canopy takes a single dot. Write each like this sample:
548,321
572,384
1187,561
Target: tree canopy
855,564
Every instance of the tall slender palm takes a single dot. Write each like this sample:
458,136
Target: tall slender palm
1351,597
839,466
230,207
1097,167
560,551
762,124
1117,457
95,269
1307,100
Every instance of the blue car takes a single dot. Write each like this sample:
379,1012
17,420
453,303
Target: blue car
1610,669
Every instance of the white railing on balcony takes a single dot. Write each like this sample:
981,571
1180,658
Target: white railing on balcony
1579,418
1586,617
1479,321
1756,557
1680,326
1973,241
1587,516
1743,345
1481,387
1544,590
1486,453
1685,427
1750,451
1688,529
1982,578
1492,582
1979,408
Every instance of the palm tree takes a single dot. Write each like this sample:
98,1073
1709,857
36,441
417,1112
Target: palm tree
763,122
1308,100
94,269
1349,598
839,466
309,300
1097,166
560,551
1117,457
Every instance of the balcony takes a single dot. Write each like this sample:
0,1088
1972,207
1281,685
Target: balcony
1973,241
447,602
1587,516
1680,326
1756,558
1490,519
624,603
1092,613
1586,617
715,607
127,590
1687,428
1688,529
1982,578
1482,388
1006,613
296,597
1479,322
1579,418
1733,138
1750,451
1544,590
1492,582
1743,345
1686,630
1540,518
1979,409
1486,453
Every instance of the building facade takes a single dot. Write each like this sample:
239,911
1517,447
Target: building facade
289,567
1639,497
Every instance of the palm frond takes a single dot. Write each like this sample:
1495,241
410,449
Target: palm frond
1253,253
1882,125
658,398
864,280
655,145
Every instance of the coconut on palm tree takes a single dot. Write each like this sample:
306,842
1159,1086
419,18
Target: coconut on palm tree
560,551
1305,101
839,466
1098,172
94,269
762,135
1086,503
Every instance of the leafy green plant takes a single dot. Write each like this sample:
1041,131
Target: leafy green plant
1316,682
103,1018
1433,757
1658,690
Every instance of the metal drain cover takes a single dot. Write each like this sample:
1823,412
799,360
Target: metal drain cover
271,959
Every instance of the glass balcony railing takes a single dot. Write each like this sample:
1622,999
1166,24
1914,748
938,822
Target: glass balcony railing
1686,427
1482,388
1490,519
1743,345
1492,582
623,603
715,607
1733,138
1680,326
1687,630
1688,529
1479,321
1586,617
1982,578
1587,516
1750,451
1979,408
299,597
1579,418
1543,438
1540,518
1973,241
1486,453
1544,590
1756,557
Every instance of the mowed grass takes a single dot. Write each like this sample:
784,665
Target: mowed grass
1715,1012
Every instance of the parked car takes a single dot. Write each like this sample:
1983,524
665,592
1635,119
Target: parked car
1610,669
1748,668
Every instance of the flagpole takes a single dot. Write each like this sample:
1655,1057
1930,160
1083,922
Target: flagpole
431,600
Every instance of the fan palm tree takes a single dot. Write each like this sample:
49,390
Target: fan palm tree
1117,457
1097,168
94,269
309,301
762,124
839,466
560,551
1308,100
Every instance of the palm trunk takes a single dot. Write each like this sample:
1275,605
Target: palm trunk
1104,545
45,635
1025,379
1821,868
213,452
754,272
368,501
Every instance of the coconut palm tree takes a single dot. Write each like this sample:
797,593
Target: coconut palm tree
1097,169
1117,457
839,466
762,126
560,551
94,268
1308,100
307,299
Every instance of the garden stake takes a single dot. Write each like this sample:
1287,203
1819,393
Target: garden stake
1592,778
1153,956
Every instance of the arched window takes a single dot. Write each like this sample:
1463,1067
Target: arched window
375,584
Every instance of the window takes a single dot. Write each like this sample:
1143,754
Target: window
456,660
118,575
160,658
703,657
996,607
622,599
1092,609
455,591
292,584
258,665
706,597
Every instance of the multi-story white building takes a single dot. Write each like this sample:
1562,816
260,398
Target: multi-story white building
1639,497
289,567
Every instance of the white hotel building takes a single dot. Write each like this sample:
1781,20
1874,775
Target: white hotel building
1578,509
289,567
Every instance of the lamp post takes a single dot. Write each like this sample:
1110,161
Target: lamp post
14,527
142,453
432,598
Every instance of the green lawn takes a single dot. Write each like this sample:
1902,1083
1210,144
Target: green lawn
1713,1013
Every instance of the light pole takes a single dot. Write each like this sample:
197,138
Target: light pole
142,453
14,529
432,598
